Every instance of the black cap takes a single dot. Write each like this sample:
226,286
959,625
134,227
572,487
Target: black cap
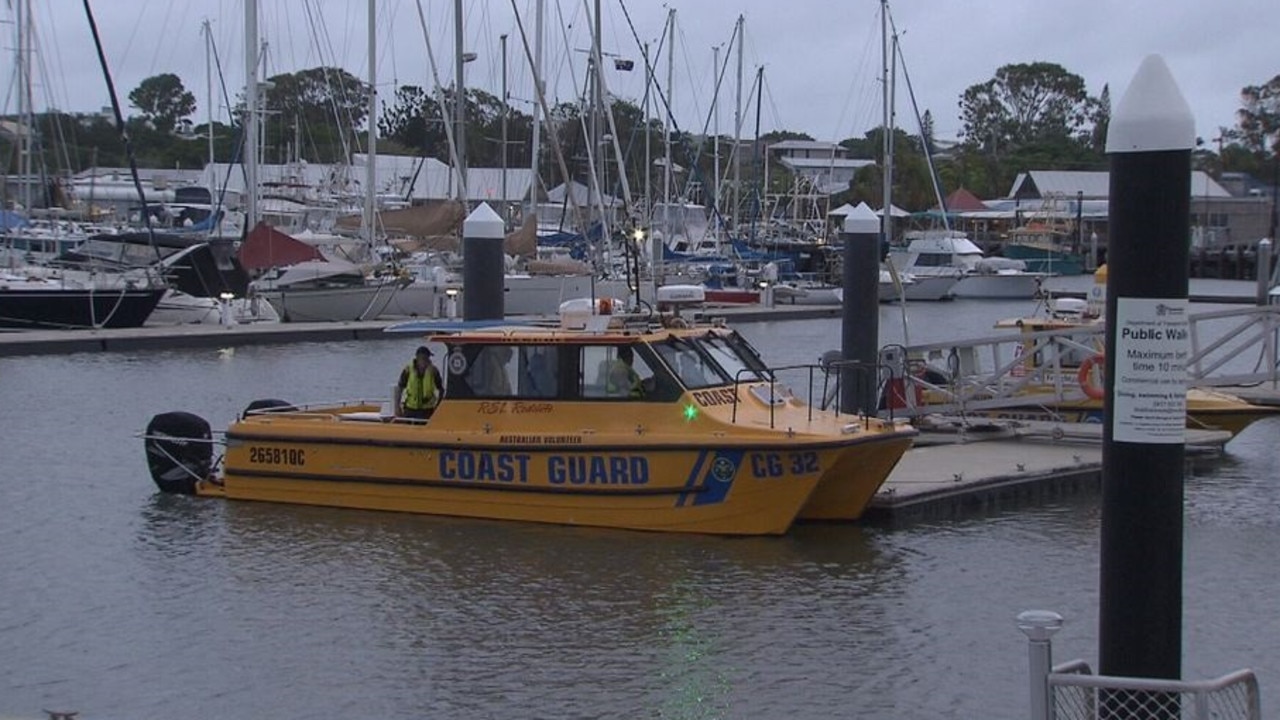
423,350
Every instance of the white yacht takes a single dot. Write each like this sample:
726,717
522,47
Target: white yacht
951,254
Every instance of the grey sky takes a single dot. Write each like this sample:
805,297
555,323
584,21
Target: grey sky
821,58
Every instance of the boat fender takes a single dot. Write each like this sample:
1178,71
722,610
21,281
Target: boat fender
179,451
267,405
1086,376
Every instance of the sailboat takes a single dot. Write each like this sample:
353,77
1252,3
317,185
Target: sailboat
32,297
316,288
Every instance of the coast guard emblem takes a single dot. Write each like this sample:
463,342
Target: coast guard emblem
723,469
457,362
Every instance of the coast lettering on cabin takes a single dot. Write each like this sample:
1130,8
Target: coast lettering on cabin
559,470
716,396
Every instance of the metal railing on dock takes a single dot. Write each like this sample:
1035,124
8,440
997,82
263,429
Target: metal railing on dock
1071,691
1236,347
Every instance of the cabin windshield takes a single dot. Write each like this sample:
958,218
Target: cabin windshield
712,359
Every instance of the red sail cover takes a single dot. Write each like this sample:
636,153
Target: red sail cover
267,247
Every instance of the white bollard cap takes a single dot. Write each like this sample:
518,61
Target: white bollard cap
862,220
483,223
1152,114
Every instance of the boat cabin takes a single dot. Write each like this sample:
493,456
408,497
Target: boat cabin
556,365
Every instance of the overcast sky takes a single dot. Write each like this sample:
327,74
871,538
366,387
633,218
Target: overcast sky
821,58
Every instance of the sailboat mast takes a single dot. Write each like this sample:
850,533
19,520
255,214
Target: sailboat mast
536,142
715,142
666,122
371,162
737,129
460,102
24,111
250,159
438,90
506,202
208,89
886,143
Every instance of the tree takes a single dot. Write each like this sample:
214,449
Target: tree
912,187
314,114
413,119
926,132
1026,103
1259,119
1101,117
163,101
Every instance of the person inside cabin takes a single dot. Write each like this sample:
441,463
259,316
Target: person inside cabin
540,372
622,379
420,388
488,375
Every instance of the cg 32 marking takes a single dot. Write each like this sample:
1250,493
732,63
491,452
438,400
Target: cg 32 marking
776,464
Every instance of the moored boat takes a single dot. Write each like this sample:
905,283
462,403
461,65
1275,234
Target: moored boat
38,303
1051,370
552,424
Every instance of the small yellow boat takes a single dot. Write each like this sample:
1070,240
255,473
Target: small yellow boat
1057,375
536,425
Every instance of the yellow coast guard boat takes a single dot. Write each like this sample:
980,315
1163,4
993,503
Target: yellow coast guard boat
542,424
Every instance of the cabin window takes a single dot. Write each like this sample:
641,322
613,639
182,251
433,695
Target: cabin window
730,356
505,371
539,371
933,260
694,370
491,370
616,372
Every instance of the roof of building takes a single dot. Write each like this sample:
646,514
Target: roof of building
1092,184
827,163
804,145
963,200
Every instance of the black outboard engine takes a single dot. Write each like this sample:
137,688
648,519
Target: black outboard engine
179,451
267,405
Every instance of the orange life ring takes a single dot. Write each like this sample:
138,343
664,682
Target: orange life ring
1085,376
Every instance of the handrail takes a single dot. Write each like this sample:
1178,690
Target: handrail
993,372
772,380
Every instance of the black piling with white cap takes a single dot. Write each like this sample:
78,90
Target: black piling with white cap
1148,262
483,265
860,329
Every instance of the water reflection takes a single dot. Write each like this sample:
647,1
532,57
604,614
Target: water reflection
466,611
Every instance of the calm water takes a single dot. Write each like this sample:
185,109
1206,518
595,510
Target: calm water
123,603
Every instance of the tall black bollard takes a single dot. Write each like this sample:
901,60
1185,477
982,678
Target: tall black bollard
860,337
1144,432
482,265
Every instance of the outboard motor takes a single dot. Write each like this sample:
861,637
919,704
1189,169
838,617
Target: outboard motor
179,451
267,405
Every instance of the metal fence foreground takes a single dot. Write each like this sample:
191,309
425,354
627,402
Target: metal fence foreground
1071,691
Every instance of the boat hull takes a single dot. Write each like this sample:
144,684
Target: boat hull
931,288
732,296
1045,261
677,481
1009,286
721,491
57,309
337,304
848,485
1209,411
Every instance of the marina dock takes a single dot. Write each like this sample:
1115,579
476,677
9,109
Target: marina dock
45,342
955,470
